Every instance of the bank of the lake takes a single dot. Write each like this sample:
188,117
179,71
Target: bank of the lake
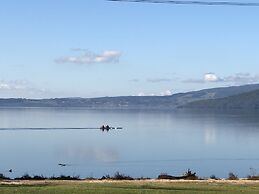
132,187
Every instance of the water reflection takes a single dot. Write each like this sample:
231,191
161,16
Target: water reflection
210,135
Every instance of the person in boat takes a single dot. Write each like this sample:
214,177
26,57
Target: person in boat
107,128
102,127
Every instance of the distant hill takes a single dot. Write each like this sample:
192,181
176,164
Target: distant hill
132,102
248,100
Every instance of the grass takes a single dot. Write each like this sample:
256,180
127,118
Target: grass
129,187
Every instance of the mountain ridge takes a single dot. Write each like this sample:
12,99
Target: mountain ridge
132,102
248,100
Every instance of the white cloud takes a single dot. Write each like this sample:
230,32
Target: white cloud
242,78
166,93
211,77
141,94
208,77
109,56
13,85
4,86
236,79
21,89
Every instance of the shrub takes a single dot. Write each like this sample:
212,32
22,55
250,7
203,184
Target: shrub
232,176
165,176
3,177
119,176
64,177
214,177
143,178
253,177
41,177
105,177
24,177
189,175
28,177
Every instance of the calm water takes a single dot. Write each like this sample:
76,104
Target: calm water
151,142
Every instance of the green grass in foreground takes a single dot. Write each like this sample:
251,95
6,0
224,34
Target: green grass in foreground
130,188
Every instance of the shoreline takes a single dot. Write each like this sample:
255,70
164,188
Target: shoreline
46,182
152,186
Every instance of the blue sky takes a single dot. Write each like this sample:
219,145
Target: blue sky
88,48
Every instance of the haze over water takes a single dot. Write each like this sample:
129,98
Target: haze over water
150,143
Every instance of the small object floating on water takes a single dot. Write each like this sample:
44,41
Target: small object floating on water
62,165
107,128
10,170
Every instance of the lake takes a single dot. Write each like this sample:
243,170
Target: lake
150,143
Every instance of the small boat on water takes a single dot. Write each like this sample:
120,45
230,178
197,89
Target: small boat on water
107,128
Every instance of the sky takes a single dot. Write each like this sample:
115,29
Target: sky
93,48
